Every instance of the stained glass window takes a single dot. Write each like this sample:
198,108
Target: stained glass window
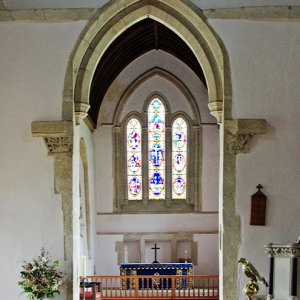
179,158
156,148
134,160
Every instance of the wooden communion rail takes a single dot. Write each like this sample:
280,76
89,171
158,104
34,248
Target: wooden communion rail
157,287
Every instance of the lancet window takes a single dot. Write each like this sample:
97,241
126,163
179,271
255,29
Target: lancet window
157,158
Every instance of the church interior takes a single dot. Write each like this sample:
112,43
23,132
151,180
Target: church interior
136,131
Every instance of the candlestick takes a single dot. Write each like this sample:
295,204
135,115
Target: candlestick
126,254
83,266
185,255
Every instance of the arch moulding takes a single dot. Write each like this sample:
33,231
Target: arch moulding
109,22
144,77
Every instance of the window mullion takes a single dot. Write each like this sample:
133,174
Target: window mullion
194,160
145,167
168,165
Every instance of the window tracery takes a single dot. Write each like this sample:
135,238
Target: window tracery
160,169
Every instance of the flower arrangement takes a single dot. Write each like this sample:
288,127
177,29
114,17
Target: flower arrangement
42,279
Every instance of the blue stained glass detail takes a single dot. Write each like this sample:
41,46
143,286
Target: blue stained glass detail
134,140
179,162
156,184
134,186
156,127
156,155
156,149
156,104
179,157
179,186
134,163
180,140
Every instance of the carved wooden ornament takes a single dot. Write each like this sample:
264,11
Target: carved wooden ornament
258,207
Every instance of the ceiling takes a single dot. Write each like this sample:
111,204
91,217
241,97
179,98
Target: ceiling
140,38
203,4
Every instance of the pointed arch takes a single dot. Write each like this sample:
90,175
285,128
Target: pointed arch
181,17
188,22
166,75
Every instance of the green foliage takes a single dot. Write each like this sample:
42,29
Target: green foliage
42,279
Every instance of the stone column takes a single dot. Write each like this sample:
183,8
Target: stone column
238,135
58,137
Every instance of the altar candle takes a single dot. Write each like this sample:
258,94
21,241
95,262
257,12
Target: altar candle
185,255
126,255
83,266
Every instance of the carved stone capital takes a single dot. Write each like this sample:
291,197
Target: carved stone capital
81,110
57,135
287,250
239,134
216,109
60,144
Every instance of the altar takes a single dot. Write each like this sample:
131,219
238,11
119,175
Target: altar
157,269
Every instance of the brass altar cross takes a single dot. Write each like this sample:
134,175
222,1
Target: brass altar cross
155,254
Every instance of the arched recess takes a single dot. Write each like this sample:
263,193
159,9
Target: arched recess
83,156
188,22
164,74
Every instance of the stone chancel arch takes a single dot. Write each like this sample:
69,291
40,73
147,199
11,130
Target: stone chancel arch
181,18
187,22
62,138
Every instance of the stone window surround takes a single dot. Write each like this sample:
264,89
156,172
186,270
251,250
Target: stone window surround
169,205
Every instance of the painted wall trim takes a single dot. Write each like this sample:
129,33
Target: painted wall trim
47,15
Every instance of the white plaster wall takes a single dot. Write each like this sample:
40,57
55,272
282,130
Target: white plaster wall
106,254
141,65
265,63
207,253
210,168
172,94
157,223
33,59
163,255
103,168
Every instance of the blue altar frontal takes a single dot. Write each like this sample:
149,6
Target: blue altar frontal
157,269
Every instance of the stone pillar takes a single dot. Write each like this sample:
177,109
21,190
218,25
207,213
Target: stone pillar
58,137
238,135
